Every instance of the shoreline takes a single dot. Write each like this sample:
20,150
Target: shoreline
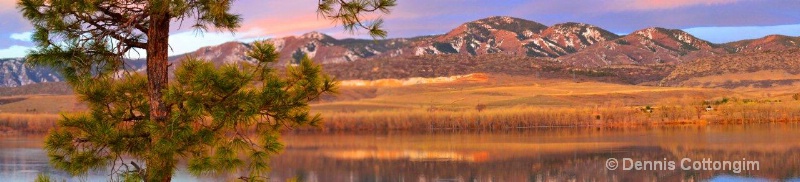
43,126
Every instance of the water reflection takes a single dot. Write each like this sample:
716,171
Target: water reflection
545,154
22,159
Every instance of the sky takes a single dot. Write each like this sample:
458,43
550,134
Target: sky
717,21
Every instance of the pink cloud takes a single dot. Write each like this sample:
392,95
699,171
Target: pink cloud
288,25
282,18
639,5
593,7
8,5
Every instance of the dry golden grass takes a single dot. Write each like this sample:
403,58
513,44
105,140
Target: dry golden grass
545,103
740,113
516,117
758,75
443,119
527,117
505,93
507,102
21,122
43,104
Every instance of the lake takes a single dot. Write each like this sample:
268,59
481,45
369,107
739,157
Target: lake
538,154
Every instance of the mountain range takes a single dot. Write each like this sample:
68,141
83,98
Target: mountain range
496,44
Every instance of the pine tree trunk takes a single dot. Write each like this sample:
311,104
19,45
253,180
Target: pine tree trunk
158,168
157,47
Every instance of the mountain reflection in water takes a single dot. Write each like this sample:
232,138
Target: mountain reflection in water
546,154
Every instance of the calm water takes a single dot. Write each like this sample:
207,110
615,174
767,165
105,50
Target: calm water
553,154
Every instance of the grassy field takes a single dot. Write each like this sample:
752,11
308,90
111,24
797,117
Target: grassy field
506,92
40,104
496,102
518,102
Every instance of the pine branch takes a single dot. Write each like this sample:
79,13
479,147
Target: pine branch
129,41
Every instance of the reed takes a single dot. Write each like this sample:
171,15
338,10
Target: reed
757,113
517,117
526,117
611,115
29,123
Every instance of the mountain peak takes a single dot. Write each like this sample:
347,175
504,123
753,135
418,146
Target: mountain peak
681,38
501,19
775,37
483,29
572,37
585,30
655,32
572,24
770,42
651,32
315,35
505,23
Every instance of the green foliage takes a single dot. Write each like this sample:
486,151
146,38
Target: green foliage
297,56
212,112
90,37
220,114
349,14
724,100
445,47
43,178
593,73
647,109
690,47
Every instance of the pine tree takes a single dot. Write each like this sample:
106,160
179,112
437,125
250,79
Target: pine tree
209,116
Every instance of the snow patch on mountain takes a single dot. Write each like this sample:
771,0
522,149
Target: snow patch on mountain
14,72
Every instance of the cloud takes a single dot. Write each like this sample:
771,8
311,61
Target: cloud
8,5
189,41
631,15
277,18
181,42
588,7
14,51
24,36
287,25
12,20
408,18
280,18
642,5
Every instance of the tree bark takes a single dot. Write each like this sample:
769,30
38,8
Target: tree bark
157,47
158,168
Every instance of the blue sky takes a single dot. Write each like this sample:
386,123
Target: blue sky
717,21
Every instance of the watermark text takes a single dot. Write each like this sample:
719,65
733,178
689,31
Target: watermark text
686,164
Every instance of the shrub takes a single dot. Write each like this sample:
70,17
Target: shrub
480,107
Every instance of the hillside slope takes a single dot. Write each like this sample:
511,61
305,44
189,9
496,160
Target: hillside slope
497,44
750,69
644,47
